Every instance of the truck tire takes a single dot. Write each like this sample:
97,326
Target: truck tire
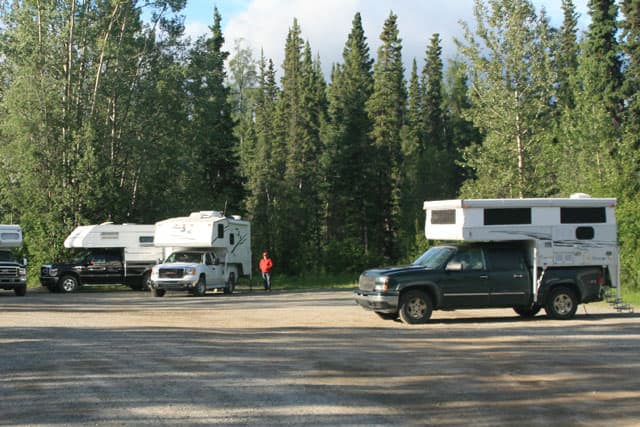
415,307
561,303
20,290
527,312
201,287
145,282
231,284
158,292
68,284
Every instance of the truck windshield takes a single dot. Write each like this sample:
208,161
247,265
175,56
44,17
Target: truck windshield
8,256
191,257
434,257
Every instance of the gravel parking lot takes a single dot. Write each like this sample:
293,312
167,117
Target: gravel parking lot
312,358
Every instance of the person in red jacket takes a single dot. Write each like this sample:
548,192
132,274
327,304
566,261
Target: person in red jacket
266,264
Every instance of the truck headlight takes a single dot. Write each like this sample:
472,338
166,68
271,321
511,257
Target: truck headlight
22,272
189,271
381,284
53,272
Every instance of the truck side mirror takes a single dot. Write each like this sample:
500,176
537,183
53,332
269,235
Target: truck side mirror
454,266
24,262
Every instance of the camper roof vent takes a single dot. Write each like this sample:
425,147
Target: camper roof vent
580,196
107,223
206,214
236,217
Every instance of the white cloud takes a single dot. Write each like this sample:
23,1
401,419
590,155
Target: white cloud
264,24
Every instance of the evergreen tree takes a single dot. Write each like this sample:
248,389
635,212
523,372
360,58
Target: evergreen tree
567,55
511,92
347,156
212,145
386,109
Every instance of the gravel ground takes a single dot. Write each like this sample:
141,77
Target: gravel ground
312,358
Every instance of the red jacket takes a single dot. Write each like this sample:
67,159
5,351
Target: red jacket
266,265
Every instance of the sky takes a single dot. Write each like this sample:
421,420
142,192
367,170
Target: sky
264,24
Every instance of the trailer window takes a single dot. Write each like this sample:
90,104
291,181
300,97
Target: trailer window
582,215
109,235
446,216
507,216
585,233
9,236
220,231
232,239
146,240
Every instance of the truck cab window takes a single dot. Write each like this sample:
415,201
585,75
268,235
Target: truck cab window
470,259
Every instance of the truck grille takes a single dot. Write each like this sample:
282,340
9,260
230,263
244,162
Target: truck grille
8,272
171,273
366,283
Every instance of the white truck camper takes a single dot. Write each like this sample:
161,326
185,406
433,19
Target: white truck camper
112,254
206,250
559,232
13,270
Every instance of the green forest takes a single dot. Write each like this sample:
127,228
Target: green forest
109,113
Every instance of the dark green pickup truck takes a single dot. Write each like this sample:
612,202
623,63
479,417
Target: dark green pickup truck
478,275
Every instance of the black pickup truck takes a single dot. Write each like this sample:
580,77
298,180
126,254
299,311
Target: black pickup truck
95,267
478,275
13,273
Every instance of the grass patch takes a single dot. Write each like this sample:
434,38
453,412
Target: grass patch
311,281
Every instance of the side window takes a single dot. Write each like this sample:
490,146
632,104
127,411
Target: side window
232,238
470,259
505,260
97,259
220,231
210,259
585,233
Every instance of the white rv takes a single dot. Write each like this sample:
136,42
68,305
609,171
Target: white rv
107,254
13,270
206,250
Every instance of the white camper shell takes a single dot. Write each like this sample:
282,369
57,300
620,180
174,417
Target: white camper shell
561,232
228,237
10,236
135,239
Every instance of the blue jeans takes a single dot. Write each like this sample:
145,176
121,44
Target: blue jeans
266,278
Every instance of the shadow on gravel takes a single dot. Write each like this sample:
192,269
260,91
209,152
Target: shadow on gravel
525,374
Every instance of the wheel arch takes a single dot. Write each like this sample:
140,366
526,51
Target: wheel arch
549,287
429,288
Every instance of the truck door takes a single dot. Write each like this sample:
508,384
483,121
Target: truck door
114,271
213,271
509,277
465,284
94,269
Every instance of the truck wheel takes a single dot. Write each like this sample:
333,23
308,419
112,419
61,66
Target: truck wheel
415,307
387,316
201,287
561,303
68,284
20,290
158,292
145,283
231,284
527,311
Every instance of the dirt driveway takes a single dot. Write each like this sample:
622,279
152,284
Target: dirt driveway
307,358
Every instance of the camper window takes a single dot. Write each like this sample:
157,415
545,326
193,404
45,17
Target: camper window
110,235
231,239
445,216
585,233
507,216
582,215
9,236
145,240
220,231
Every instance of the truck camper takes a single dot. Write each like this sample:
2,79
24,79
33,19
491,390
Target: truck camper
206,250
106,254
13,269
528,254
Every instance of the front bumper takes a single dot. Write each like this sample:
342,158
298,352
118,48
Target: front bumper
377,301
12,282
174,285
49,281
